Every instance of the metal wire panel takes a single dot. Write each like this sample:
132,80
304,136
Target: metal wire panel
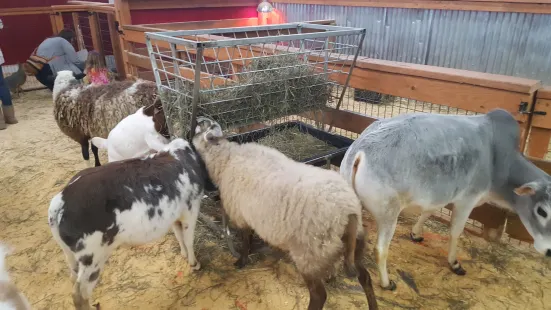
241,76
516,44
83,25
31,82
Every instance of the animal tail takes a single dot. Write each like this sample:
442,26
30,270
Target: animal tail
100,143
358,159
354,231
4,251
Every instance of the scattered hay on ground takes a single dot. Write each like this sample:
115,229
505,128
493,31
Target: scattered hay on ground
211,242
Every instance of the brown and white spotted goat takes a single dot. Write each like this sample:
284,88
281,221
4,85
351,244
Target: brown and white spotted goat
129,202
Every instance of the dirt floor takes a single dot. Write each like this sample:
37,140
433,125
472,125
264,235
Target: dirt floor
36,160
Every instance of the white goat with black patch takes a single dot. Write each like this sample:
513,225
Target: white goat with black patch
138,134
432,160
133,202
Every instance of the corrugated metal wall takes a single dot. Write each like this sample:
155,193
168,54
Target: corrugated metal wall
517,44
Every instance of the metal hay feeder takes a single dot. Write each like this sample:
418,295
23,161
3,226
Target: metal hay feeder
246,75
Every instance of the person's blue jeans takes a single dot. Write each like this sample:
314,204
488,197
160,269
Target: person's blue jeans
5,95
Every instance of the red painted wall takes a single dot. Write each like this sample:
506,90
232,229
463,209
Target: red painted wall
190,15
30,30
27,30
5,4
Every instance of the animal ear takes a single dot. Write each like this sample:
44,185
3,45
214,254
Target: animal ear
527,189
158,104
203,124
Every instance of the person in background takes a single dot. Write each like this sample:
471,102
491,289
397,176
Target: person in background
60,55
96,72
7,114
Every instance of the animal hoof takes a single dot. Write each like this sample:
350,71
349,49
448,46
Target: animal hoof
391,286
350,271
240,263
459,270
416,239
197,266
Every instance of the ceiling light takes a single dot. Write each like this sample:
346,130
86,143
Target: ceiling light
264,7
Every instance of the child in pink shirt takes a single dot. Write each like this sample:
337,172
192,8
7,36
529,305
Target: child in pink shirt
96,72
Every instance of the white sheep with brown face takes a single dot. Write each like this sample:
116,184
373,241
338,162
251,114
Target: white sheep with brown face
309,212
10,297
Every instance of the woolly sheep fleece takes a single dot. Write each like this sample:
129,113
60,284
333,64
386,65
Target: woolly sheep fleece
84,111
296,207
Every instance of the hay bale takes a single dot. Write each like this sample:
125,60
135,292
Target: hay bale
269,88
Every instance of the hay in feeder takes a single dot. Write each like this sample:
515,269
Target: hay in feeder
296,144
269,88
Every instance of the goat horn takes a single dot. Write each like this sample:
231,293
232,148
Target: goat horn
202,119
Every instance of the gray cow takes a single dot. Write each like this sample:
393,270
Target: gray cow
431,160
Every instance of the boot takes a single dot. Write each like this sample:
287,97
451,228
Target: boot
2,122
9,114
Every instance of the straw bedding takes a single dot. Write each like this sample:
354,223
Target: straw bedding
296,144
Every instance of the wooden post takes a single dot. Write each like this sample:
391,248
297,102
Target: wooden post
58,21
263,18
115,43
54,26
538,142
96,34
122,11
540,134
526,123
78,33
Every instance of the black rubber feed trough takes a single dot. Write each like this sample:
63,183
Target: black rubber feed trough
335,156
